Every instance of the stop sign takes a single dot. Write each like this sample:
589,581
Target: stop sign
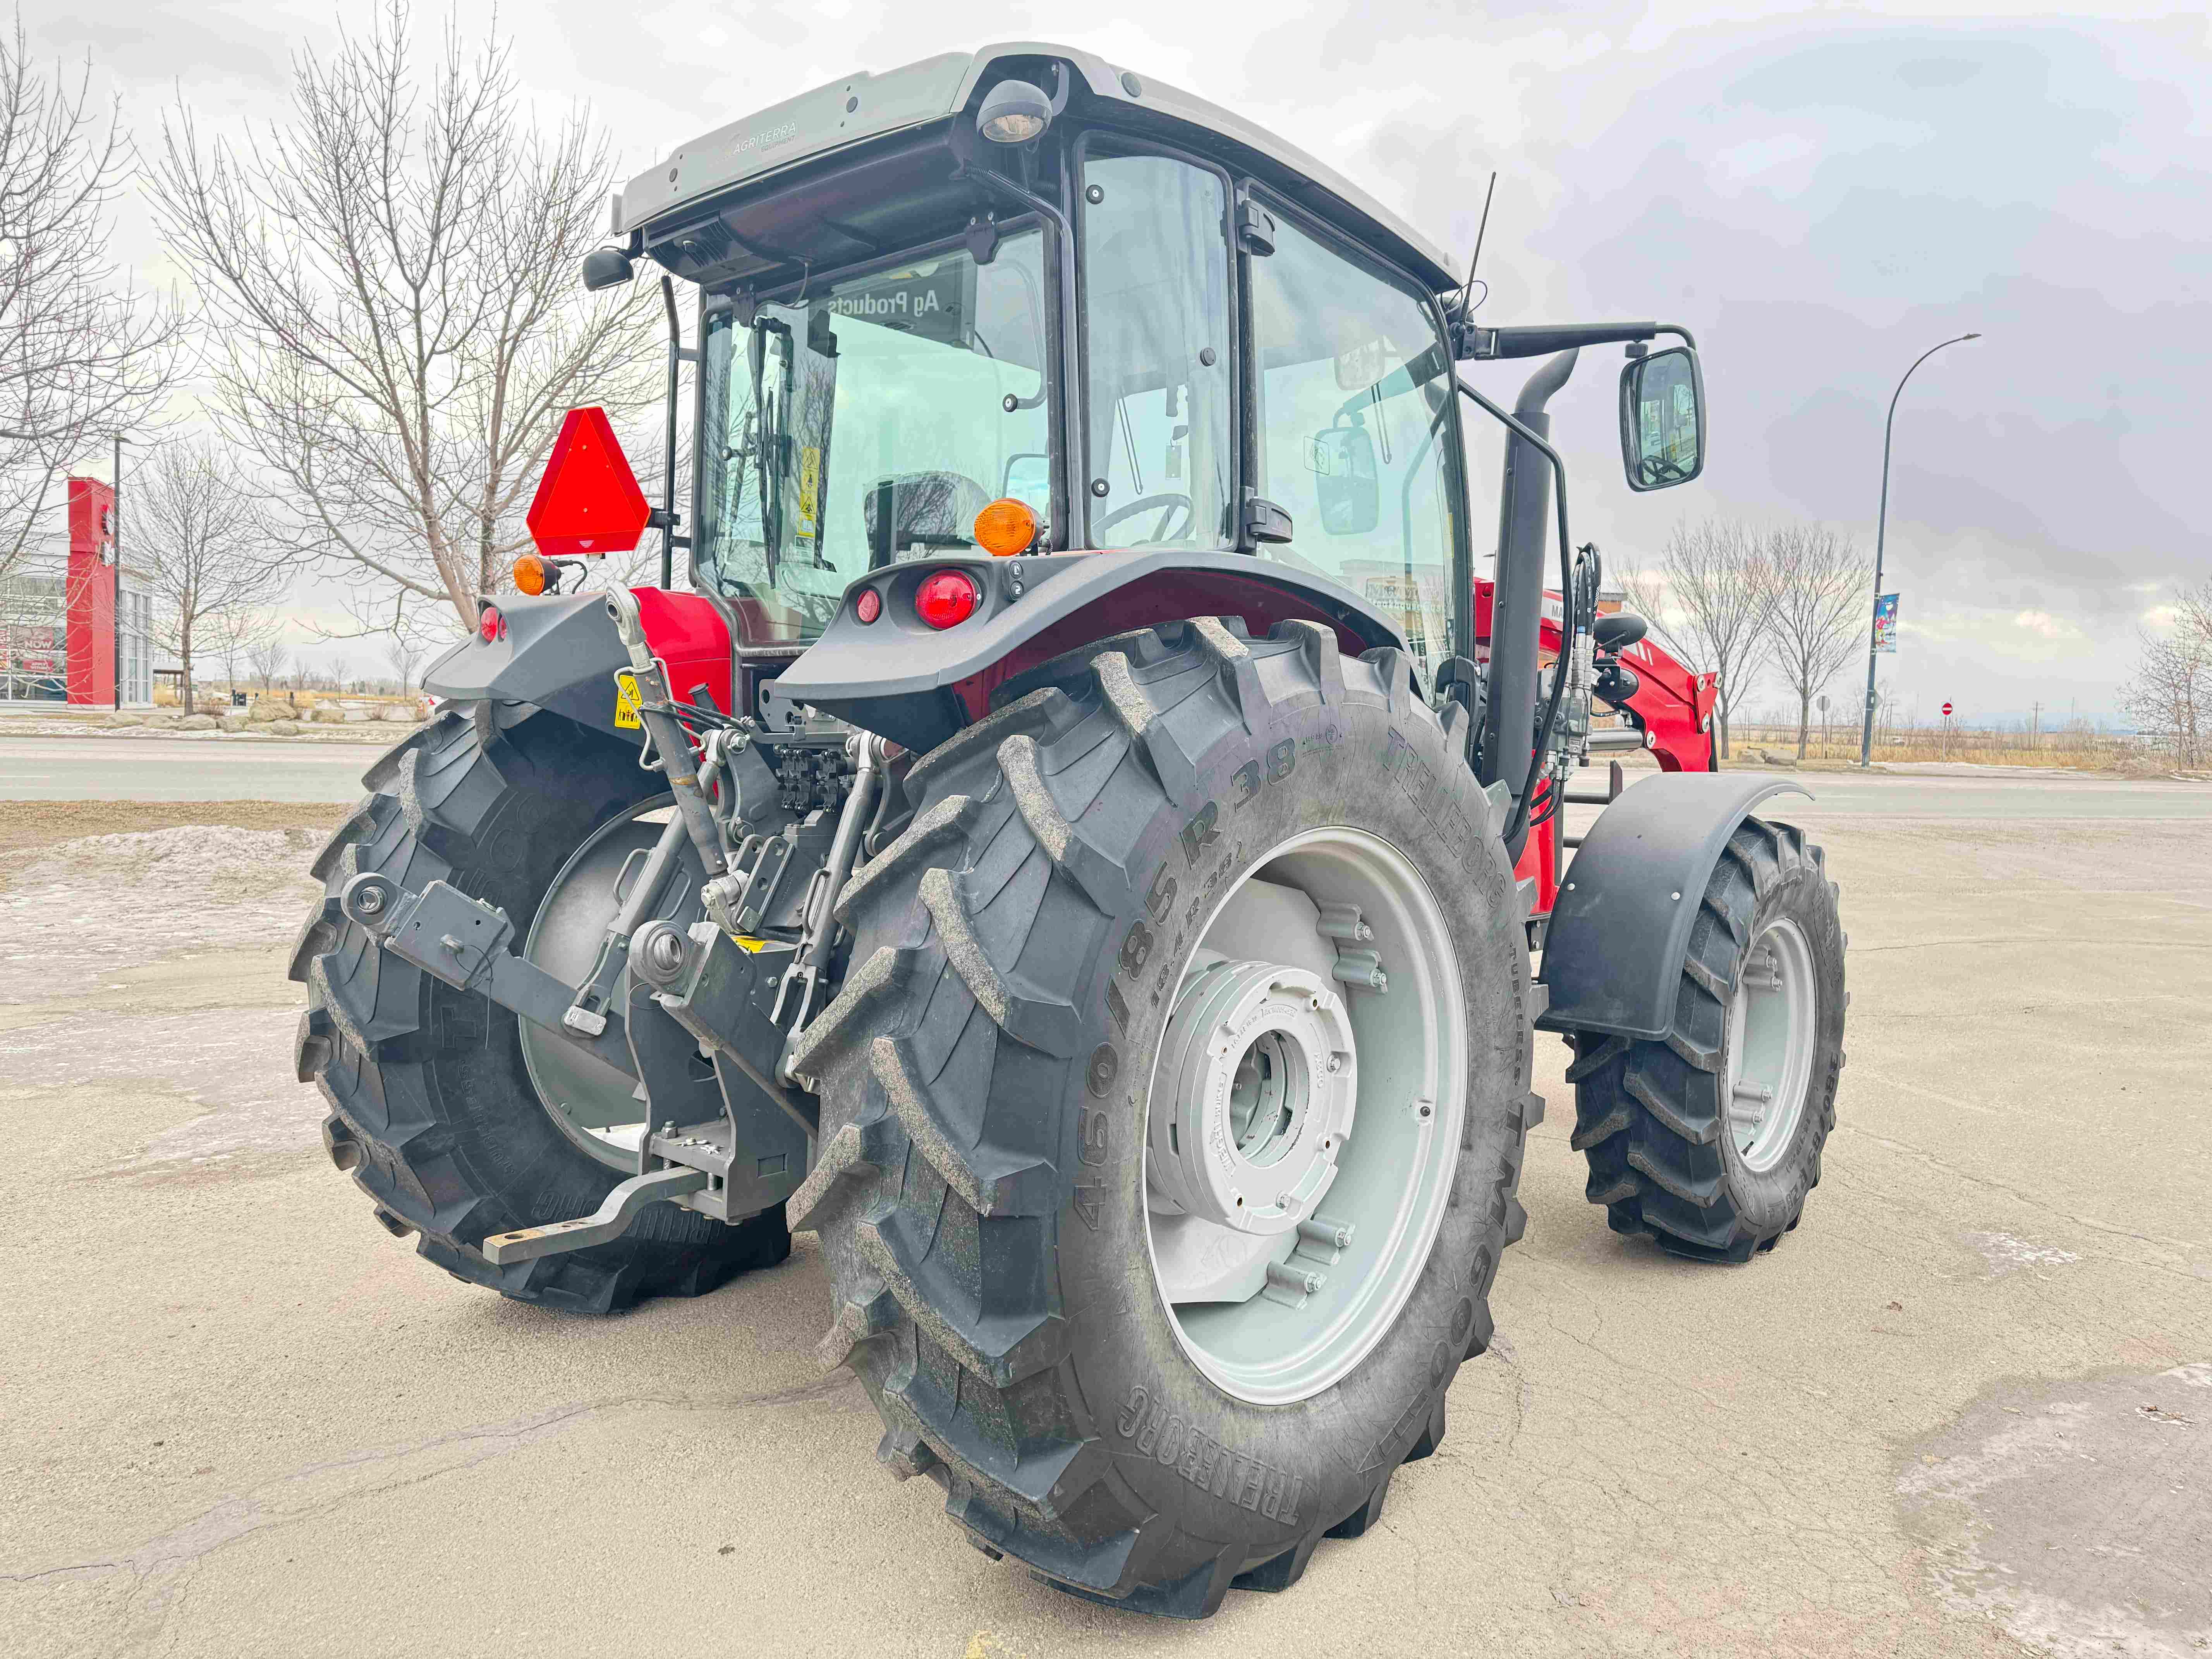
1946,711
588,501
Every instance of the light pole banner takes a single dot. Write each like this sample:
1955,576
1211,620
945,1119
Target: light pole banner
1885,622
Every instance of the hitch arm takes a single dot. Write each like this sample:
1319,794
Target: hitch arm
464,942
611,1220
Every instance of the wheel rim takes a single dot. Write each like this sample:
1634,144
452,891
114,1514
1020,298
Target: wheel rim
1305,1116
1770,1039
591,1102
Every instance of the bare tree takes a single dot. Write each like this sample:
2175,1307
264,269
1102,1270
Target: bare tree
268,660
2170,694
403,657
81,357
1709,601
192,537
392,273
1820,607
236,633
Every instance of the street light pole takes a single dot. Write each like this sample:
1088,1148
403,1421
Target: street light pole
1880,529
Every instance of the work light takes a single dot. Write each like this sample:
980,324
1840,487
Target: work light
1013,112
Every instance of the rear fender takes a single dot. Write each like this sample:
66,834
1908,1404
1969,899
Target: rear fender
918,685
561,653
1620,927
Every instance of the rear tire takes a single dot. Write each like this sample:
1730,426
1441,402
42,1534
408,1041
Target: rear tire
432,1108
980,1189
1671,1153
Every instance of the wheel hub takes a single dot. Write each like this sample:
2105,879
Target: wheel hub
1262,1083
1282,1243
1772,1034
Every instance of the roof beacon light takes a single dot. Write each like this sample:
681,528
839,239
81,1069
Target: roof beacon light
1007,526
1013,112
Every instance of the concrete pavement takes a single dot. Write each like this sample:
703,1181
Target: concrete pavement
1965,1408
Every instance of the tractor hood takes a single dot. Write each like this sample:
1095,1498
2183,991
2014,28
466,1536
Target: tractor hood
863,107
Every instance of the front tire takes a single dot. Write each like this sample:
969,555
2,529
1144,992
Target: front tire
432,1110
1710,1141
988,1092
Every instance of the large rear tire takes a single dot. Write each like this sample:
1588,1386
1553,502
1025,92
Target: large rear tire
990,1103
432,1107
1710,1141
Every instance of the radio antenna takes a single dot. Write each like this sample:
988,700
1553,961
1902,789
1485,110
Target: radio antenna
1468,287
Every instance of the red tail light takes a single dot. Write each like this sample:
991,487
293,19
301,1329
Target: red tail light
491,625
947,598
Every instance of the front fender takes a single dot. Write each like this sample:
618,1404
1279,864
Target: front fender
918,685
1620,928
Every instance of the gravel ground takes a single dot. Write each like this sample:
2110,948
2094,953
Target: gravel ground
1966,1408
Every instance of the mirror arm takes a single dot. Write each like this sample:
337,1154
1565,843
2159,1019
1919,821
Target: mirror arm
1519,822
1490,344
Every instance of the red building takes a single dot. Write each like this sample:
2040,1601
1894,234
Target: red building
57,614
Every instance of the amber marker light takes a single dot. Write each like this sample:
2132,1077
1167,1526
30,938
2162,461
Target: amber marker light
1006,527
535,573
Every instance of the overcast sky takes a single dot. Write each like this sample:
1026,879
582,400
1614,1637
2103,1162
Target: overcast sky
1820,194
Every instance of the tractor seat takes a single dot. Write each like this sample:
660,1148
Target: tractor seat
929,511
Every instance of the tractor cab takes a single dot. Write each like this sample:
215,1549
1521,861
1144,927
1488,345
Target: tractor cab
1020,276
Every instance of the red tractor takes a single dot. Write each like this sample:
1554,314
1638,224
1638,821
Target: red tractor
1061,847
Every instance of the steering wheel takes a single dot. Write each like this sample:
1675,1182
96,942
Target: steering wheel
1168,505
1659,470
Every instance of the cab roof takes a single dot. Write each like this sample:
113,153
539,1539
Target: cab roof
862,107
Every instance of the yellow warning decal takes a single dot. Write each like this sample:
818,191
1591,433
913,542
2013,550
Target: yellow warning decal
750,946
626,702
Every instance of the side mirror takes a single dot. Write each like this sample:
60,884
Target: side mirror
606,267
1342,461
1663,419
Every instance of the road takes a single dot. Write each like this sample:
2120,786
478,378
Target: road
180,769
1966,1408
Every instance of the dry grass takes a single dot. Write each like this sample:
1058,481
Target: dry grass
2078,747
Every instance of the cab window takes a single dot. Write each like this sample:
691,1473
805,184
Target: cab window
1355,433
1156,320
